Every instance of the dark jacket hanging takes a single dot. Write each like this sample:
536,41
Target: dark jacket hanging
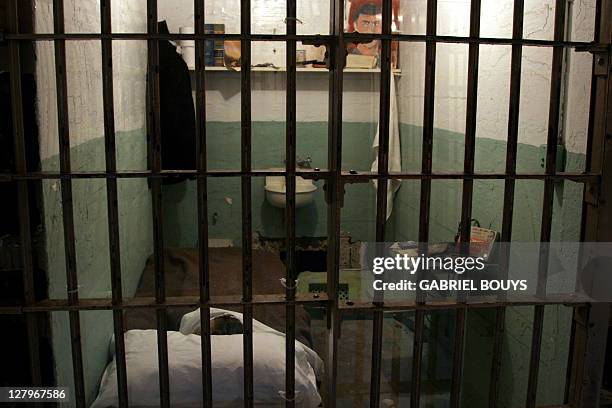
177,115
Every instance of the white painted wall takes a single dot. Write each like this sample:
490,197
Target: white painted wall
84,88
84,72
494,70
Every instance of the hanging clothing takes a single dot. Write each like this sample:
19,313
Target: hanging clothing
177,113
395,151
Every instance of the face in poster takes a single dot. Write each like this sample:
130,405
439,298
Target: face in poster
365,17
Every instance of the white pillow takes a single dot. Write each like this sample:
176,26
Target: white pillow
190,324
185,371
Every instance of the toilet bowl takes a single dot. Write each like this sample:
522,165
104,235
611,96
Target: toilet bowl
275,191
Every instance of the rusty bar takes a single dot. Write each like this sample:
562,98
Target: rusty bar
25,238
154,141
508,206
247,218
149,302
290,180
590,324
350,37
202,188
547,202
333,195
53,305
348,177
470,123
468,190
111,199
425,197
381,194
67,205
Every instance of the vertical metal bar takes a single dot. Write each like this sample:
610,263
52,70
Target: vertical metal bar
334,190
381,193
547,202
154,139
247,219
425,198
67,205
202,188
590,323
27,254
290,206
468,189
508,207
111,198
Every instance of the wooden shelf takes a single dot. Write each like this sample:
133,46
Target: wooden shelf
299,69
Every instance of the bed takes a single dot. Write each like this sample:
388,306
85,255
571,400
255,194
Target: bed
184,347
225,270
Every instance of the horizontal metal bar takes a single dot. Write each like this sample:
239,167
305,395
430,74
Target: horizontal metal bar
349,37
306,173
148,302
268,300
347,176
451,303
317,38
51,305
350,177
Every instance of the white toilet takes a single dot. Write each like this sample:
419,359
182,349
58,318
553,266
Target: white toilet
275,191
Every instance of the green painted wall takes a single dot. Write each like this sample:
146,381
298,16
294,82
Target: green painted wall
179,200
92,248
360,201
487,208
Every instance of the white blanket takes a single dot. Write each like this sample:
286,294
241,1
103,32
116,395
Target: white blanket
185,371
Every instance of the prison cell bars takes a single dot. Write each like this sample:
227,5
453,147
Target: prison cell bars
381,196
334,195
111,200
67,205
202,189
349,37
25,237
509,185
290,152
140,303
336,178
590,325
467,194
580,177
425,194
547,201
246,185
154,140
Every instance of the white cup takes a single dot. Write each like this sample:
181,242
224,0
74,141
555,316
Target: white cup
187,43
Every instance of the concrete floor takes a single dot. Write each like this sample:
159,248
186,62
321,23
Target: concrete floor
354,361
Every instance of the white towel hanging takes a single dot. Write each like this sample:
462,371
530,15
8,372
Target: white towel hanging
395,153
